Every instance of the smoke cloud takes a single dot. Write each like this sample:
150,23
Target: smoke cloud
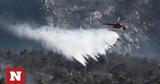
78,44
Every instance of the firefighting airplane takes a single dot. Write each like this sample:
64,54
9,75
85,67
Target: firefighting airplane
116,25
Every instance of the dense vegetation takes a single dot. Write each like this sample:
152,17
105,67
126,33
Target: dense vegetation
45,67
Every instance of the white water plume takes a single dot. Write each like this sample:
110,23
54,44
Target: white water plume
76,44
